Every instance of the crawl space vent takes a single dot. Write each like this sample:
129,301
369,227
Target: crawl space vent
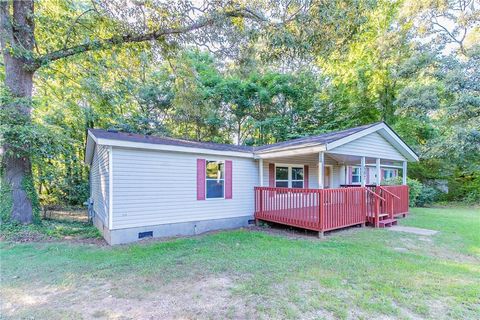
146,234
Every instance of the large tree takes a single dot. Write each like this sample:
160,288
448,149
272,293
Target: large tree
110,24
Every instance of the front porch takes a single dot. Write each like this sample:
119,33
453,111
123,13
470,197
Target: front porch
324,191
334,180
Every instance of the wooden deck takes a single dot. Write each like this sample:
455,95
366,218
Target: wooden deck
329,209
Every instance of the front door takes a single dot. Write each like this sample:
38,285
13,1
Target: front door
327,175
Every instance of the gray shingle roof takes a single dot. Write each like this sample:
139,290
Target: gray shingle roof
317,139
134,137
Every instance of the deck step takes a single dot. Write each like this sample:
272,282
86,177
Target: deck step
381,215
387,223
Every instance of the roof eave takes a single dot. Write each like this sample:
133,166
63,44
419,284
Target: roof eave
165,147
90,147
292,151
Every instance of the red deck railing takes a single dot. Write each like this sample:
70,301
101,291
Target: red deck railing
329,209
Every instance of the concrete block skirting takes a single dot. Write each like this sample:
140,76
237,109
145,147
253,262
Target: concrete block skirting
120,236
97,222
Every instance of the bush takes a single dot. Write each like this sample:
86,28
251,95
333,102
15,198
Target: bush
428,195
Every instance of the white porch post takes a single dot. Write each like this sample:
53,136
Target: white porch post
343,175
321,169
379,172
260,171
404,173
362,171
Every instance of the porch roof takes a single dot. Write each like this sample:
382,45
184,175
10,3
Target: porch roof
314,140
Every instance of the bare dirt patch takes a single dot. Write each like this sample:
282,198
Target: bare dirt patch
299,233
205,298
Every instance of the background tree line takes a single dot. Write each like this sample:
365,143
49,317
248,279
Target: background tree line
327,67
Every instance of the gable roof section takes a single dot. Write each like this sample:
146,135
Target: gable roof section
386,132
327,141
313,140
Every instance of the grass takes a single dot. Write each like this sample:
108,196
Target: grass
51,229
358,273
61,224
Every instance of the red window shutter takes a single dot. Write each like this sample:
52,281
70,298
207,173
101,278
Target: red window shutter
305,177
271,175
228,179
201,179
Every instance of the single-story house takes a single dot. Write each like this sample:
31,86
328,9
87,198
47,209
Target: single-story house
149,186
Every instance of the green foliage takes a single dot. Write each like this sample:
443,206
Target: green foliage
48,229
28,186
427,196
5,202
333,66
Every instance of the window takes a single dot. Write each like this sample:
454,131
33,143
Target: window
215,179
297,177
388,174
356,178
281,177
289,177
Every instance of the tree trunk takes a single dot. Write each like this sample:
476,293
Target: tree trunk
18,168
16,31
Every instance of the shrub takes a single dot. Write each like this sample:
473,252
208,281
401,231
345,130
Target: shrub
428,195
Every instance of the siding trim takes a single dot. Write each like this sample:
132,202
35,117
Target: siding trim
201,179
110,188
228,179
305,176
271,175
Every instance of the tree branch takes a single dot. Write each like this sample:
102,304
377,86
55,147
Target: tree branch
101,44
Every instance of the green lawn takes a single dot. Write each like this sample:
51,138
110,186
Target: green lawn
357,273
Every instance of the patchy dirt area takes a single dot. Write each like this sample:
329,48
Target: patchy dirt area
207,298
299,233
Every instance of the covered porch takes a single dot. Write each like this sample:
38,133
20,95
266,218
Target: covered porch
334,180
324,191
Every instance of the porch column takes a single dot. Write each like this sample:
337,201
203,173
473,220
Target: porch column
343,175
260,171
321,169
362,171
379,172
404,173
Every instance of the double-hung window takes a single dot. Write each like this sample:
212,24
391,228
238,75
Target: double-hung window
297,177
356,177
215,179
289,177
281,177
388,174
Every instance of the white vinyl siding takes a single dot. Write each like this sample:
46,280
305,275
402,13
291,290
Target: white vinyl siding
372,145
159,187
99,182
308,159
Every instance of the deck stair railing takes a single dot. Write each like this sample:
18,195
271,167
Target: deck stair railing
378,205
